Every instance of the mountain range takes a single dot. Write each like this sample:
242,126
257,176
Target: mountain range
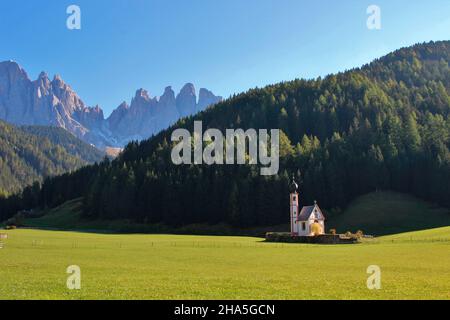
52,102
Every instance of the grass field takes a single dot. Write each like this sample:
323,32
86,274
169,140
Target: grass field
414,265
33,266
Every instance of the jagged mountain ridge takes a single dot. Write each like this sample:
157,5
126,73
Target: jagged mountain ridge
54,103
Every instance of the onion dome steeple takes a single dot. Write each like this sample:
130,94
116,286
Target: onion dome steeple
293,186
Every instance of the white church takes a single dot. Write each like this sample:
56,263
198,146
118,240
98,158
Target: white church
305,222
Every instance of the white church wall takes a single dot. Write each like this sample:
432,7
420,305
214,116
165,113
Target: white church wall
306,231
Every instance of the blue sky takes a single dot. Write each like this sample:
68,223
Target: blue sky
227,46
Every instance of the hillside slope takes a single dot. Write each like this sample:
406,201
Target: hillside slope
381,213
30,154
72,144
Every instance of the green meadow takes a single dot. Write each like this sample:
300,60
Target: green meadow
414,265
33,265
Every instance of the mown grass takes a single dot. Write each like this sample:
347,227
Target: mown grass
414,265
33,266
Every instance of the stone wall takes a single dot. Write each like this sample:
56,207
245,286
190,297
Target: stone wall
322,239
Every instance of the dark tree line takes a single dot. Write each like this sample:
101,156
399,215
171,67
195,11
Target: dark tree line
383,126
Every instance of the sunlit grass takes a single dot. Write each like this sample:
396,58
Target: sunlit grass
33,266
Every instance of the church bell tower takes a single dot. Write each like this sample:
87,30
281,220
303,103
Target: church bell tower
293,188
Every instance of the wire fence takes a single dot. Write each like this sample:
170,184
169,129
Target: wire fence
94,244
407,240
160,244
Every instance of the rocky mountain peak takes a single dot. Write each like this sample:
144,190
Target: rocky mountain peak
124,105
53,102
11,65
187,100
207,98
43,76
168,90
43,82
142,93
168,96
188,89
15,92
10,71
58,82
97,110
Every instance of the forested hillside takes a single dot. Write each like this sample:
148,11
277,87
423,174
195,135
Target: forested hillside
383,126
29,154
73,146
